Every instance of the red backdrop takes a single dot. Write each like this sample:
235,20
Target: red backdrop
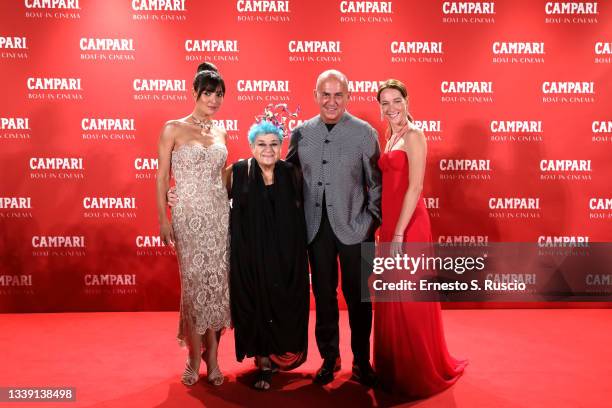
514,97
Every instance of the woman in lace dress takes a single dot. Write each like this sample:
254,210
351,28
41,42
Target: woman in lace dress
194,149
269,271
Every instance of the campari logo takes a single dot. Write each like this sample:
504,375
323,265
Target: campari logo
293,123
15,128
63,168
364,91
152,245
110,280
230,126
560,246
12,203
603,52
518,52
263,11
516,131
159,10
107,49
15,280
263,90
600,208
468,12
109,207
109,284
466,91
560,241
431,128
463,240
154,89
53,9
433,206
565,170
571,12
365,12
602,131
113,129
417,51
599,283
465,169
145,167
568,92
526,279
52,89
563,245
314,51
58,245
13,47
212,50
15,207
16,284
514,207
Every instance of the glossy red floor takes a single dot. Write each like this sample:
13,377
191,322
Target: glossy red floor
518,358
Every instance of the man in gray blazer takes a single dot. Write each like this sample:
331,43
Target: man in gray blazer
338,155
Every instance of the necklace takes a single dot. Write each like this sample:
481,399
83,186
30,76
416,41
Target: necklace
205,125
395,137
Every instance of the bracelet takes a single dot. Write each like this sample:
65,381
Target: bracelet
398,235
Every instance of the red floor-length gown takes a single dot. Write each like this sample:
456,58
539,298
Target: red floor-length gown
410,353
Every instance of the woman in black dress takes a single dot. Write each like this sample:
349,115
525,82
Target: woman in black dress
269,285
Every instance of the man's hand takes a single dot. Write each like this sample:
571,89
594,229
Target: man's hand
171,197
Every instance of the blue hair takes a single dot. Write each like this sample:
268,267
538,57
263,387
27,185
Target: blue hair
262,128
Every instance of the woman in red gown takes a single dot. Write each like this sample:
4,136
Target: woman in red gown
410,353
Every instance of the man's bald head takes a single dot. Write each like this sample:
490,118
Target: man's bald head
333,73
332,95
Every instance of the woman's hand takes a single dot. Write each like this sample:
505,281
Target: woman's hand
166,233
171,197
396,245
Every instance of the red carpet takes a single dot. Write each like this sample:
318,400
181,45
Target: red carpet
518,358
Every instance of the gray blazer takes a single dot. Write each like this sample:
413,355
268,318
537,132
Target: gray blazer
343,165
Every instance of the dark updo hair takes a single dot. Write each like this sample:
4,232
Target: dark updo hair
207,66
208,79
398,86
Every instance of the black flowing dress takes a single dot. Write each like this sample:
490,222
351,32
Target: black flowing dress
269,284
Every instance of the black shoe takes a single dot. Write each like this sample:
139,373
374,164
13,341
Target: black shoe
325,374
364,374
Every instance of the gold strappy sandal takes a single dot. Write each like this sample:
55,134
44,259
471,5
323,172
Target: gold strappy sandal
214,376
190,376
